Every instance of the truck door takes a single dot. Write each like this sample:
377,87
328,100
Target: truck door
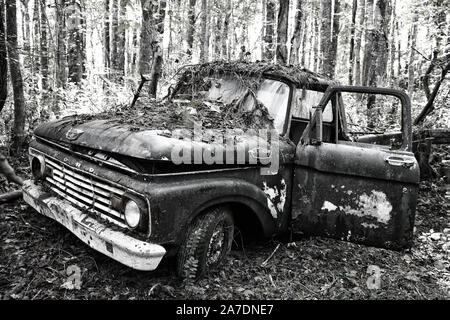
359,186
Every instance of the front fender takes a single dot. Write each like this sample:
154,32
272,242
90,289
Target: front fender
175,205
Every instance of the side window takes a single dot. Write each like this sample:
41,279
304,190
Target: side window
306,100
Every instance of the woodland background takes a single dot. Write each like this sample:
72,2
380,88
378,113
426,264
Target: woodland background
63,56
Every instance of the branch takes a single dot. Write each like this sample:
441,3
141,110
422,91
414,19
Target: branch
8,171
429,105
10,196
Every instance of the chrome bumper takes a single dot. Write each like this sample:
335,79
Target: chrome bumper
137,254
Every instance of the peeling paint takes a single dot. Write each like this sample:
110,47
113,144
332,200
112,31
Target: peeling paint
280,205
272,194
375,205
328,206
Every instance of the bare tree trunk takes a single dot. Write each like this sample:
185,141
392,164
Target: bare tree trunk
18,134
325,36
412,54
296,37
44,46
226,24
359,34
399,53
305,28
115,35
392,44
158,16
26,34
282,30
329,36
352,42
191,26
145,60
36,35
107,36
218,34
369,35
204,36
440,22
121,37
382,17
60,57
316,62
75,52
3,58
269,36
332,52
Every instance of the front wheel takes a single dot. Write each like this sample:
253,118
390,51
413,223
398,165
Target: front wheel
207,243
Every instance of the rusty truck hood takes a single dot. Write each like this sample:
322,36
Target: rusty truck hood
118,138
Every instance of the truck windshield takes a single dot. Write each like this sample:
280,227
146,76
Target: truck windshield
219,91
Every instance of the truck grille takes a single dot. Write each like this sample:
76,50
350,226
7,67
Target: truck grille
84,191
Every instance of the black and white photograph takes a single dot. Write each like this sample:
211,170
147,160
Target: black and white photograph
237,152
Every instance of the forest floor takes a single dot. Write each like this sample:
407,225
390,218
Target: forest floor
36,252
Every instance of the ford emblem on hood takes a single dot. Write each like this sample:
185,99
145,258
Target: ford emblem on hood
73,134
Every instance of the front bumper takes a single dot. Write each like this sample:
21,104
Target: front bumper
137,254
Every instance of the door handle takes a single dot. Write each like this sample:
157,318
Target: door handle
400,162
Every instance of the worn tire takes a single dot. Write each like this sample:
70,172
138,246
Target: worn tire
207,242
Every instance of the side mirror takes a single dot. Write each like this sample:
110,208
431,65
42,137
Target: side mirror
316,123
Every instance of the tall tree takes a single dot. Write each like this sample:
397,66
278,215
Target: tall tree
36,35
226,24
352,42
61,53
305,31
76,47
204,35
412,54
269,36
393,37
18,134
3,58
316,44
157,59
44,45
296,37
217,31
325,36
121,36
151,53
147,33
441,7
282,30
382,18
369,35
191,27
358,42
332,51
107,35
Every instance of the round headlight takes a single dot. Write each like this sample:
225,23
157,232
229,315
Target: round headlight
38,167
132,214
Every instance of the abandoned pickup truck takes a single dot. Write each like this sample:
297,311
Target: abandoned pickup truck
127,186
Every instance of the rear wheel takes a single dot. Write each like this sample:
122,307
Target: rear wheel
208,241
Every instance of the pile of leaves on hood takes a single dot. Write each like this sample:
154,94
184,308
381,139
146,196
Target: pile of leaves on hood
168,114
172,113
